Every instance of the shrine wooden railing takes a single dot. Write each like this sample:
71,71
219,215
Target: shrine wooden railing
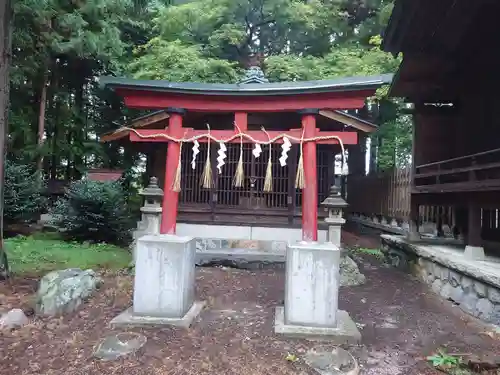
385,198
476,172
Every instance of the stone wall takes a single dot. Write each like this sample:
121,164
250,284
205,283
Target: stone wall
475,292
473,296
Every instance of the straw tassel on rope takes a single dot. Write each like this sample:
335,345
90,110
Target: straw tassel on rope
268,180
239,176
176,186
299,178
206,177
207,173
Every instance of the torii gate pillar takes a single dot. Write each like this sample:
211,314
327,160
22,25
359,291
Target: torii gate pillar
310,191
171,197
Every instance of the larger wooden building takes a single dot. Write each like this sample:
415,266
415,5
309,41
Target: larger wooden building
450,72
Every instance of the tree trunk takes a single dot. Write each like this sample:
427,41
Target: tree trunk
55,107
41,118
5,48
80,129
55,135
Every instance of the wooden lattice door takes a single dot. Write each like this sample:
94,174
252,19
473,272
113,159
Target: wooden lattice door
251,195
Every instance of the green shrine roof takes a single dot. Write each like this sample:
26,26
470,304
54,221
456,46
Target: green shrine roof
251,85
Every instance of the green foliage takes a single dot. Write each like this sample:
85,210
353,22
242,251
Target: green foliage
39,254
444,361
234,29
23,189
62,46
394,138
173,61
94,211
65,46
377,253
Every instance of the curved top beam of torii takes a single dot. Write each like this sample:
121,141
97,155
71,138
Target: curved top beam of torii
341,93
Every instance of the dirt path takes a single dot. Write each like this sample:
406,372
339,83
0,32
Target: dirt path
402,322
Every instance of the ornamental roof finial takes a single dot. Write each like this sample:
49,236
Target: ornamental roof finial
254,73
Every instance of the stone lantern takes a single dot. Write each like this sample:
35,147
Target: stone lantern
151,211
335,205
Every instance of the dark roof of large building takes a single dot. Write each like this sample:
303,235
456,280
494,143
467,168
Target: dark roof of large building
250,89
427,26
438,40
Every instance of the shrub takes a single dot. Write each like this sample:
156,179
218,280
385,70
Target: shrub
23,199
94,211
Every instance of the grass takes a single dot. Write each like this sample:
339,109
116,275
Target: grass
46,252
377,253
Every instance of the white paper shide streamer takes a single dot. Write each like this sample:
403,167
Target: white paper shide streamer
196,151
221,157
257,150
285,147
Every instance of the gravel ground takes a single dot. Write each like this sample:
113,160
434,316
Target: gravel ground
402,323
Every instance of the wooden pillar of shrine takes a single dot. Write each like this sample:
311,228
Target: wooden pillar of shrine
310,192
416,152
474,249
170,197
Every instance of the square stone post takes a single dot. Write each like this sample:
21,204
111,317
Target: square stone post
311,295
413,232
164,283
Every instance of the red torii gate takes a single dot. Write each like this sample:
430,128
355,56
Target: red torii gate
307,99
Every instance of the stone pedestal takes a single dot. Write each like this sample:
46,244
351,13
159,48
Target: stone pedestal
334,230
150,221
474,252
311,295
413,233
335,205
149,224
164,282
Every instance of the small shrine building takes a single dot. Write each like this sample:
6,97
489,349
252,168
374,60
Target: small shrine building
251,160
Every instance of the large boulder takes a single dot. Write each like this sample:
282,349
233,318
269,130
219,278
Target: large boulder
349,272
64,291
15,318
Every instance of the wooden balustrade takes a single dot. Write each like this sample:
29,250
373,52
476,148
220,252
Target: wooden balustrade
386,196
475,172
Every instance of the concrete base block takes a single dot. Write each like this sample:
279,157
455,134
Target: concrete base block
413,236
129,319
164,275
474,252
312,284
346,331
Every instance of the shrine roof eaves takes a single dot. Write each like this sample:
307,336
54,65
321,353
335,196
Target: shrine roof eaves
279,88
